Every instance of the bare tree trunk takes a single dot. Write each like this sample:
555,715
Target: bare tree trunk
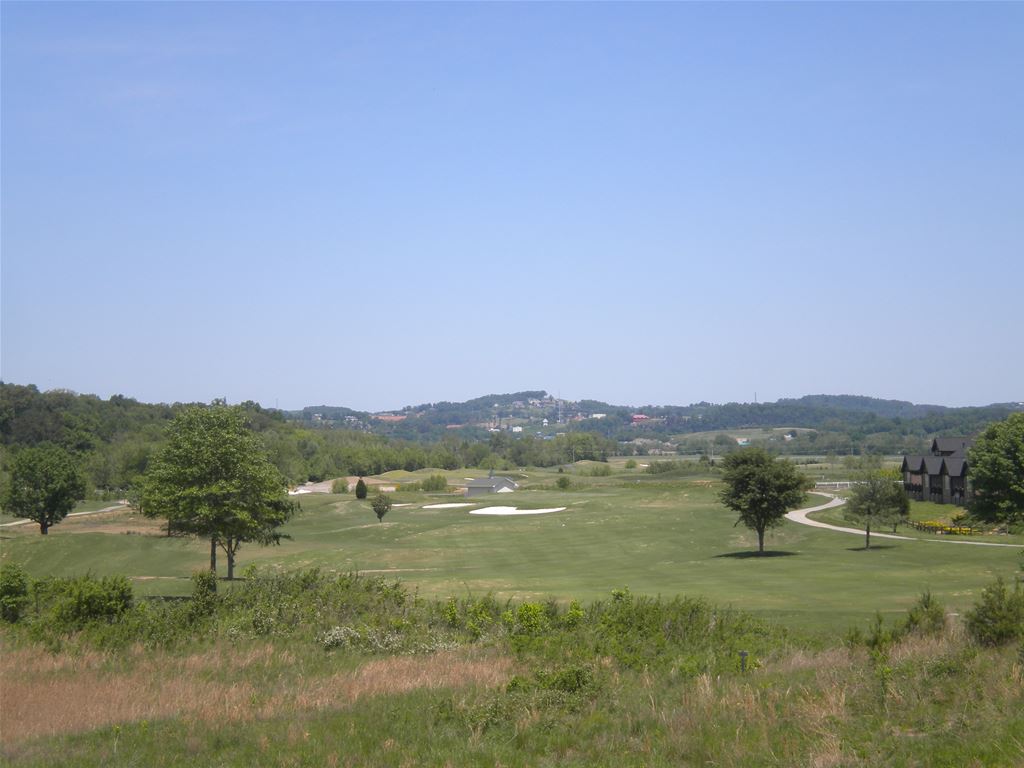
867,535
213,555
44,526
230,549
760,541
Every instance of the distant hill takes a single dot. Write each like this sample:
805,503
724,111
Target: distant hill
115,438
853,420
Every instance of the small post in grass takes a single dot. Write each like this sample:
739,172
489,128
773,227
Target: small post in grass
743,661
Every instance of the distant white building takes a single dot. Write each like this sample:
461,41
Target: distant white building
517,429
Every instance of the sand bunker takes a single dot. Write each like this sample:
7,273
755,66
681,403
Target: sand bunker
396,506
513,511
449,506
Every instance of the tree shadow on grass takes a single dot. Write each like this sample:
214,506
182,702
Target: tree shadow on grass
753,554
872,548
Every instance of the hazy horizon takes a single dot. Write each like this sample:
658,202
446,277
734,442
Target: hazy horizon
565,396
380,205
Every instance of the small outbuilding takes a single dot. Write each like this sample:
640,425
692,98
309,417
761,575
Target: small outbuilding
484,485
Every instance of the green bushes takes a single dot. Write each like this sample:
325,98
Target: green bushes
678,468
660,467
340,485
360,489
72,604
998,618
13,591
434,483
925,617
360,615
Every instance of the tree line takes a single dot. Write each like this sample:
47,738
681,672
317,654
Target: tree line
113,441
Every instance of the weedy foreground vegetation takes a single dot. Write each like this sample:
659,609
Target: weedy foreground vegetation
309,668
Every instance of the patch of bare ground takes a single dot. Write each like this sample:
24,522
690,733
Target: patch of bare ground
118,521
85,691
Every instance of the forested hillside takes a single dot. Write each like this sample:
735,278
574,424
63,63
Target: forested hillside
114,439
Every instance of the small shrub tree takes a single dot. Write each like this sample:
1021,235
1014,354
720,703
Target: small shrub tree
998,618
360,489
564,483
340,485
876,499
381,506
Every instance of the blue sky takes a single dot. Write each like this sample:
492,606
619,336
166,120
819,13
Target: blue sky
376,205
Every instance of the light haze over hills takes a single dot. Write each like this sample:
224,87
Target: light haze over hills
381,204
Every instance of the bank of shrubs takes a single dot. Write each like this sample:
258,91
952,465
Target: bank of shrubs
367,615
363,615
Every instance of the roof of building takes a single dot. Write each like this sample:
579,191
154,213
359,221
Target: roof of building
956,466
491,482
912,463
951,446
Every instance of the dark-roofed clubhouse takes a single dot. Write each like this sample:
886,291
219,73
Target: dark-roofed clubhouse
940,476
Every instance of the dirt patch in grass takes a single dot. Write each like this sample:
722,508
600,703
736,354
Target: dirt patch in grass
83,692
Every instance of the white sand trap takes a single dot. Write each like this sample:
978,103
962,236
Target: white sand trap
449,506
396,506
299,492
513,511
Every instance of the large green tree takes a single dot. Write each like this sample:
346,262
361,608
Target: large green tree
44,485
213,480
996,470
761,489
877,498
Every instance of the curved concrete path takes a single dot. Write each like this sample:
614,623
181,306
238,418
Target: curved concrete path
800,516
119,505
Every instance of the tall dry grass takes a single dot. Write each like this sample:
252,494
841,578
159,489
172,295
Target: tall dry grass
44,694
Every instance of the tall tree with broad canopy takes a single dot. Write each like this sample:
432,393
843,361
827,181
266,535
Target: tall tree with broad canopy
761,489
213,479
995,466
44,485
877,498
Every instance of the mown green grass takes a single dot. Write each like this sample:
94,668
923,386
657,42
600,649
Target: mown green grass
652,534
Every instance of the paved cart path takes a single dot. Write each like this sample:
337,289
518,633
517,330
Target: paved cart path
120,505
800,516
